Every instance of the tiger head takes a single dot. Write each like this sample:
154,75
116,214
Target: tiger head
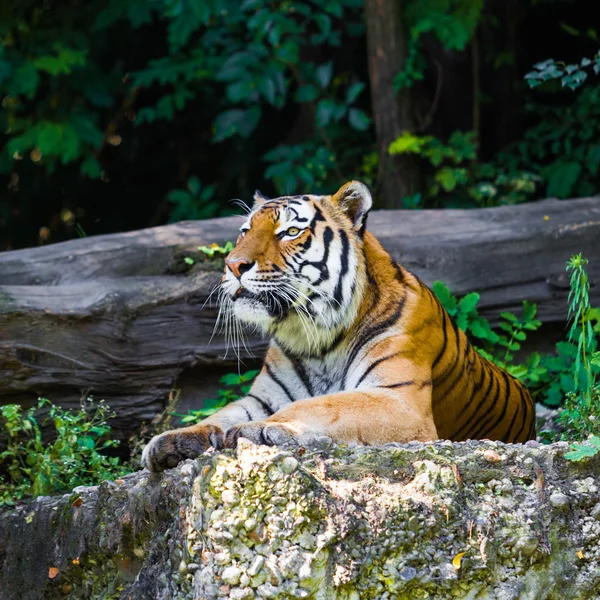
298,264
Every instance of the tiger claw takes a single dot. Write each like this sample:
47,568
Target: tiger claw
168,449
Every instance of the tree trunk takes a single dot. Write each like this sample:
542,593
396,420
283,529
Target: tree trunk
442,520
398,176
123,318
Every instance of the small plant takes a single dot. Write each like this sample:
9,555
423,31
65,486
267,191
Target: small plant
31,467
581,413
216,249
235,386
211,251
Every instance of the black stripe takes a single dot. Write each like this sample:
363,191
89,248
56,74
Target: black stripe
445,342
264,405
508,437
302,375
247,412
278,382
523,421
337,294
531,434
459,375
486,365
372,332
449,370
504,407
335,343
374,364
486,417
401,384
321,265
476,388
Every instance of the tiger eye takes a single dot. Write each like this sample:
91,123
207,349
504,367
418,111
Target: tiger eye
293,231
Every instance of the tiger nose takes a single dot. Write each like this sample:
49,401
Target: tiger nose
239,266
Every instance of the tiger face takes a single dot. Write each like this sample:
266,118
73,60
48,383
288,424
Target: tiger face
297,262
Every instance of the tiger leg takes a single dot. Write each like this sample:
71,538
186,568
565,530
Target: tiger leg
168,449
370,417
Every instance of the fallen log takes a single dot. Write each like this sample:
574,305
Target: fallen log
443,520
123,317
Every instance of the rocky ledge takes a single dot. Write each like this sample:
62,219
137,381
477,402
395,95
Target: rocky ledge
465,520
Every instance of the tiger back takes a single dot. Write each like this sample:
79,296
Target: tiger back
361,350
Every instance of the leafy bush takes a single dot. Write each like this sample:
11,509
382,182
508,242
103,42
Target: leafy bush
563,148
235,386
457,179
31,467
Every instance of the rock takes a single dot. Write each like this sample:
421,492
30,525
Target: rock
528,544
379,523
289,464
560,501
231,575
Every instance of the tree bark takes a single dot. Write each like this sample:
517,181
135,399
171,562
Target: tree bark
123,318
441,520
398,176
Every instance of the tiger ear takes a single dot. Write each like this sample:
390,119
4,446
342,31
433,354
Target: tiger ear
355,201
260,198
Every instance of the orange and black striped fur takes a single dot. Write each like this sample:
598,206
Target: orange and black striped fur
361,350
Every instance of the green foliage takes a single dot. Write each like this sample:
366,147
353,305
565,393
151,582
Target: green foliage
239,60
301,166
452,22
465,313
195,202
497,346
29,466
570,75
457,180
234,387
563,148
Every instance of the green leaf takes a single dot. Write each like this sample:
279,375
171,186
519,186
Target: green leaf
236,122
581,451
193,185
324,74
562,178
462,321
354,91
231,379
306,93
468,303
445,297
91,167
358,119
325,111
409,143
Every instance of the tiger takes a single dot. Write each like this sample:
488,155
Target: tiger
361,351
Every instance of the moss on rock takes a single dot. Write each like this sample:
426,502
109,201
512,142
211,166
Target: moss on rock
466,520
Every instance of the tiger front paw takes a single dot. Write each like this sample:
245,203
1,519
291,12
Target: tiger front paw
168,449
268,433
261,433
